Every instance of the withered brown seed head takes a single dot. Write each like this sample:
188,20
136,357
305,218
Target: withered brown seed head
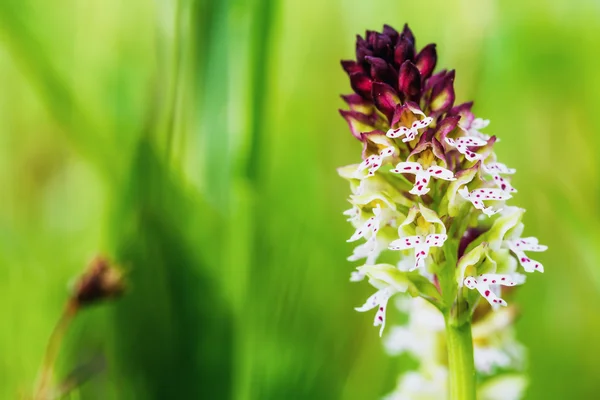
99,282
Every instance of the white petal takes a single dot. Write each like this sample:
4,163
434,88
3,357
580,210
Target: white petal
407,242
362,231
410,135
503,183
422,123
421,253
526,244
408,167
502,279
380,314
387,152
489,211
528,264
364,250
356,276
421,181
489,194
436,239
470,141
471,156
464,192
395,133
470,282
499,168
374,300
441,173
367,162
486,292
479,123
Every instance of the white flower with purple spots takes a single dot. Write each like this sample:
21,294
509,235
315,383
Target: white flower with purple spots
374,162
520,246
421,244
423,176
495,169
477,196
476,125
484,282
389,281
379,299
412,132
462,144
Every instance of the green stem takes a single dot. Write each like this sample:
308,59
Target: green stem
460,360
43,386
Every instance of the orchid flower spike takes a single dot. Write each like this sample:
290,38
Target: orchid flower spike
416,214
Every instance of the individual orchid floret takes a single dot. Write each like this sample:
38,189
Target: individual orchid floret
483,282
477,197
412,132
520,246
462,144
473,128
421,244
389,280
422,176
426,234
379,299
495,169
374,162
369,228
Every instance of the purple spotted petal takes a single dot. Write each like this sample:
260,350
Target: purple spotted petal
386,99
426,60
442,95
362,84
409,80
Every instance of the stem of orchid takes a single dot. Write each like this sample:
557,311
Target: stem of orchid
460,359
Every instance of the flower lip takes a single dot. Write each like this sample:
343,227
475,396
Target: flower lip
423,176
520,246
483,282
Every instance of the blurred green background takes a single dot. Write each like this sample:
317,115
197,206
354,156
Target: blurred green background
196,142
